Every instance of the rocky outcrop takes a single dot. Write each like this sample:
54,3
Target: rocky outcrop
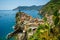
25,26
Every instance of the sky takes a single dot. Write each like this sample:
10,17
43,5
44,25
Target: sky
11,4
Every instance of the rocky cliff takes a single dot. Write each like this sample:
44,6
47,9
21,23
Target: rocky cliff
25,26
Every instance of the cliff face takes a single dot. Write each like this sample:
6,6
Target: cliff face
25,26
28,23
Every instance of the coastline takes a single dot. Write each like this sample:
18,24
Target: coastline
27,22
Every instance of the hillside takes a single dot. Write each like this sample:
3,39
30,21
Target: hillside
25,26
50,7
29,7
49,30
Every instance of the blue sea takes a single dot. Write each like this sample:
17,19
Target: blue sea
7,20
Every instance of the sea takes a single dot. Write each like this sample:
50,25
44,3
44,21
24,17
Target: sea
7,20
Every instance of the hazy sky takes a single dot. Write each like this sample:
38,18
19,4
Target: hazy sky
11,4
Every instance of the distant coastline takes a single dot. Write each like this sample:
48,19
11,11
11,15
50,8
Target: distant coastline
33,7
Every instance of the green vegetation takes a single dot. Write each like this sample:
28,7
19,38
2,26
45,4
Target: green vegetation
56,17
46,32
49,31
50,7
